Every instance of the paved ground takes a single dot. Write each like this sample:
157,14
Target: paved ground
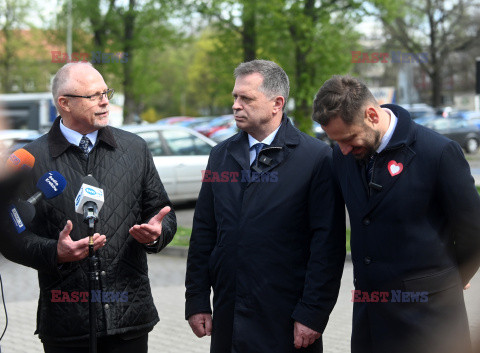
172,334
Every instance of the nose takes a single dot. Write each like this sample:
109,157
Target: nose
104,98
236,105
345,148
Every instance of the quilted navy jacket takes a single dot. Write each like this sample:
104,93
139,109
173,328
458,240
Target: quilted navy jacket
122,164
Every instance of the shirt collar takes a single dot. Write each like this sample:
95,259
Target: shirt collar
267,140
74,137
391,128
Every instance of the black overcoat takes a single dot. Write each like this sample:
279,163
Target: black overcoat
416,237
272,247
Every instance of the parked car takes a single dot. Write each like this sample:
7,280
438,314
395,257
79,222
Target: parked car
180,155
174,120
419,110
426,118
219,123
11,140
464,132
469,115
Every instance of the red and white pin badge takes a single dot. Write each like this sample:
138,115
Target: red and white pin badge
394,168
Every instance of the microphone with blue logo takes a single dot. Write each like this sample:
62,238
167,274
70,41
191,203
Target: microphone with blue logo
50,185
89,200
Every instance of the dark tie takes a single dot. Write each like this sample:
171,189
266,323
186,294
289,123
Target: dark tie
84,143
369,169
258,147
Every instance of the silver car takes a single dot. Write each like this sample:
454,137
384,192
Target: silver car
180,155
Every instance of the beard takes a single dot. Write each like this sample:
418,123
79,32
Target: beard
372,142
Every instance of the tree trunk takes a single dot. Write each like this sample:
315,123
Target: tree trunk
129,104
249,35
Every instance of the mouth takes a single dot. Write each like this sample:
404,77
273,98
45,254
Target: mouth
102,114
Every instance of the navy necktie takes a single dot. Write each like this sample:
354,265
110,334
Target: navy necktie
84,144
369,169
258,147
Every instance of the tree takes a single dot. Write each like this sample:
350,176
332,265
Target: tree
437,27
308,38
127,29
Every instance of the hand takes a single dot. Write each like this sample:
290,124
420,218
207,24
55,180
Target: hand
69,250
304,336
201,324
148,233
467,286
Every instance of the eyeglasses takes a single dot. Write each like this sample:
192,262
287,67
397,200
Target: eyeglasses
95,97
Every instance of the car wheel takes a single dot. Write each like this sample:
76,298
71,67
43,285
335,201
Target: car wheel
471,145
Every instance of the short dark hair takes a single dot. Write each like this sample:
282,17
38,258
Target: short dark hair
343,97
275,80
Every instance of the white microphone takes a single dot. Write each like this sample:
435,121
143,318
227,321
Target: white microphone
89,199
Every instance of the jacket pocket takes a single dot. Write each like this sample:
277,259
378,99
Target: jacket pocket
435,282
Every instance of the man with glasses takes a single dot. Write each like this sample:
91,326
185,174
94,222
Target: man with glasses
136,219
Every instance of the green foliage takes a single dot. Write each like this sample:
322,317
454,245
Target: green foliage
182,237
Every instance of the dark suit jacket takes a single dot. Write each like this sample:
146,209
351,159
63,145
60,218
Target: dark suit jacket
416,236
272,249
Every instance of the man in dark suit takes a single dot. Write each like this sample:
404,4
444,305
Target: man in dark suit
269,229
414,213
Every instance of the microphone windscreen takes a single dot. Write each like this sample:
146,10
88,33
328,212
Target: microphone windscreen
90,180
51,184
20,159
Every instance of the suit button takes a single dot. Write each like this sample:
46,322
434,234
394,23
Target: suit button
366,221
367,260
103,273
106,306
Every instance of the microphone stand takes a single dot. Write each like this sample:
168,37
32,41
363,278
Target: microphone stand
90,211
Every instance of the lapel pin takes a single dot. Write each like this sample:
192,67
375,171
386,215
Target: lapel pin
394,168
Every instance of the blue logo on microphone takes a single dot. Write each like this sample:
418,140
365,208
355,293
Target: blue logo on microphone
90,191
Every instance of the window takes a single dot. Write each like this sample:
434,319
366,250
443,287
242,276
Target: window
153,142
183,143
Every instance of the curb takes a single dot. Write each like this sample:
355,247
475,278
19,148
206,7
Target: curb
182,251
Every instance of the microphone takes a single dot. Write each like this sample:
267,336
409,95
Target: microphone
13,174
21,159
89,200
375,186
51,185
21,214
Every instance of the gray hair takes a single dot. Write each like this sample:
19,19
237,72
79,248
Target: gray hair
275,80
61,79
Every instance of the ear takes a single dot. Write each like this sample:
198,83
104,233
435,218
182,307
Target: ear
371,115
278,104
63,103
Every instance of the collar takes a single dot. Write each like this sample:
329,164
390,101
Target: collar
74,137
58,144
388,135
266,141
405,131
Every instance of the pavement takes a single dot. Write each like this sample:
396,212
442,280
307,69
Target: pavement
172,334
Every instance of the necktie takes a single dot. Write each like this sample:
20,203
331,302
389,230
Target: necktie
370,163
258,147
84,144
